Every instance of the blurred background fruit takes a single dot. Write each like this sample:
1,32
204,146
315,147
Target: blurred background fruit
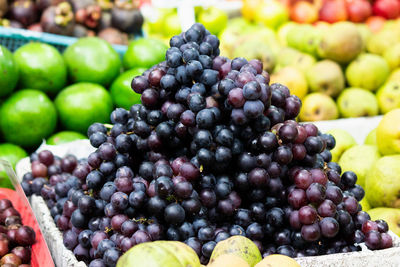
144,53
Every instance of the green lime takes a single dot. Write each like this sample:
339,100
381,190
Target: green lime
81,104
9,71
121,92
64,137
27,117
41,67
92,60
11,153
144,53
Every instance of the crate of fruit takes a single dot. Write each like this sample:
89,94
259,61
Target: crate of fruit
60,23
13,38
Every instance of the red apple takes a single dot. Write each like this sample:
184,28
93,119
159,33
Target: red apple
333,11
304,12
375,23
358,10
389,9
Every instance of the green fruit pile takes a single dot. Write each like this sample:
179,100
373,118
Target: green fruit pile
339,70
53,96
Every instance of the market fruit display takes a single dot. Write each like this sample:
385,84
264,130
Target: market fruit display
112,20
213,151
16,239
41,67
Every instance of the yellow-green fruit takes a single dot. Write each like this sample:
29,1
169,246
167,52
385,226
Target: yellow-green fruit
365,34
293,78
371,138
368,71
283,32
390,215
357,102
382,41
327,77
240,246
364,204
382,185
359,159
392,56
304,38
394,76
276,260
230,35
318,107
388,133
344,141
342,42
389,96
291,57
272,14
230,260
160,254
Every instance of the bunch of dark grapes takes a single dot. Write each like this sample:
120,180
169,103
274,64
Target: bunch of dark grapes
213,151
15,239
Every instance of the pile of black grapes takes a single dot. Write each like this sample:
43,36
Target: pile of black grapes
212,151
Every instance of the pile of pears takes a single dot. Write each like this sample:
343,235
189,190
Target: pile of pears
339,70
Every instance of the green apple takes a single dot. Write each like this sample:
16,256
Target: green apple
389,96
382,185
357,102
368,71
388,133
214,19
359,159
317,107
394,76
344,141
272,14
390,215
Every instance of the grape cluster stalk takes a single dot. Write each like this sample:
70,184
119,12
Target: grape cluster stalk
213,151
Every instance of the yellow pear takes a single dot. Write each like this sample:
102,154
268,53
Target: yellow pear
389,96
277,260
388,133
382,185
344,141
317,107
359,159
293,79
